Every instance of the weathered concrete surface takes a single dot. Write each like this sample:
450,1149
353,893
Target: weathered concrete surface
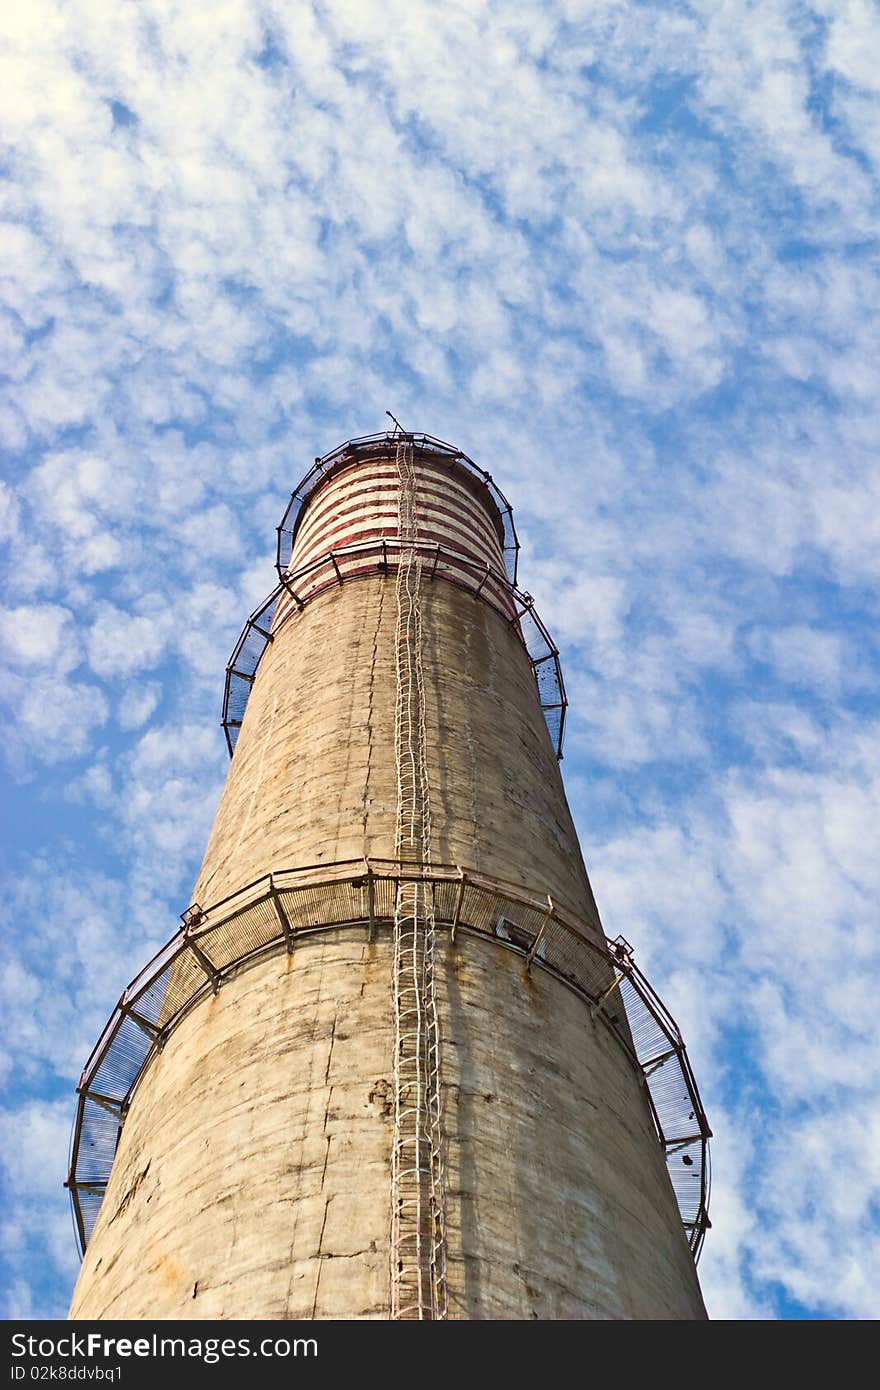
313,778
560,1205
252,1175
252,1178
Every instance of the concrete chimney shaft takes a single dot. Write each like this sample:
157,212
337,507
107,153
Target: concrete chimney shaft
252,1173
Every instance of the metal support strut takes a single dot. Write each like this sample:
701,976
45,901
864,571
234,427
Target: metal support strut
418,1219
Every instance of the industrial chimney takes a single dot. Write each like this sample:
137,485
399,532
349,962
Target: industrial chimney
391,1067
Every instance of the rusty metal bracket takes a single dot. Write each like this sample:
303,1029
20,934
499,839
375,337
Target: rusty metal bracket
458,905
371,901
599,1005
539,935
282,916
295,596
657,1062
116,1108
483,580
205,964
674,1146
153,1033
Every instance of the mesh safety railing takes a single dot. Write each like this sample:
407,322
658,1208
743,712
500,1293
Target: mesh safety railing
384,446
362,560
275,911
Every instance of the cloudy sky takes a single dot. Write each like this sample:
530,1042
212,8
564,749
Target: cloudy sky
622,252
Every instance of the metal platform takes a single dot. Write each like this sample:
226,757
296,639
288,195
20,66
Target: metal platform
372,445
364,560
278,910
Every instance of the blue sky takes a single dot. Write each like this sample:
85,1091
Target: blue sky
624,255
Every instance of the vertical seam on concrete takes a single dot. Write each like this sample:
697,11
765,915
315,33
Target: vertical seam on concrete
328,1137
330,1048
319,1261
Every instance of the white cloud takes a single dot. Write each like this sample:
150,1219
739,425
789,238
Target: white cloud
138,704
802,656
76,496
54,718
8,513
853,36
761,914
35,1233
820,1182
35,635
122,643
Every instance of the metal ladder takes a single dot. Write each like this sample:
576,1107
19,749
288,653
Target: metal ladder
418,1225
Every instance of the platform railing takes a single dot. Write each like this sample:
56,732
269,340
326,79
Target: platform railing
384,445
278,910
364,559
